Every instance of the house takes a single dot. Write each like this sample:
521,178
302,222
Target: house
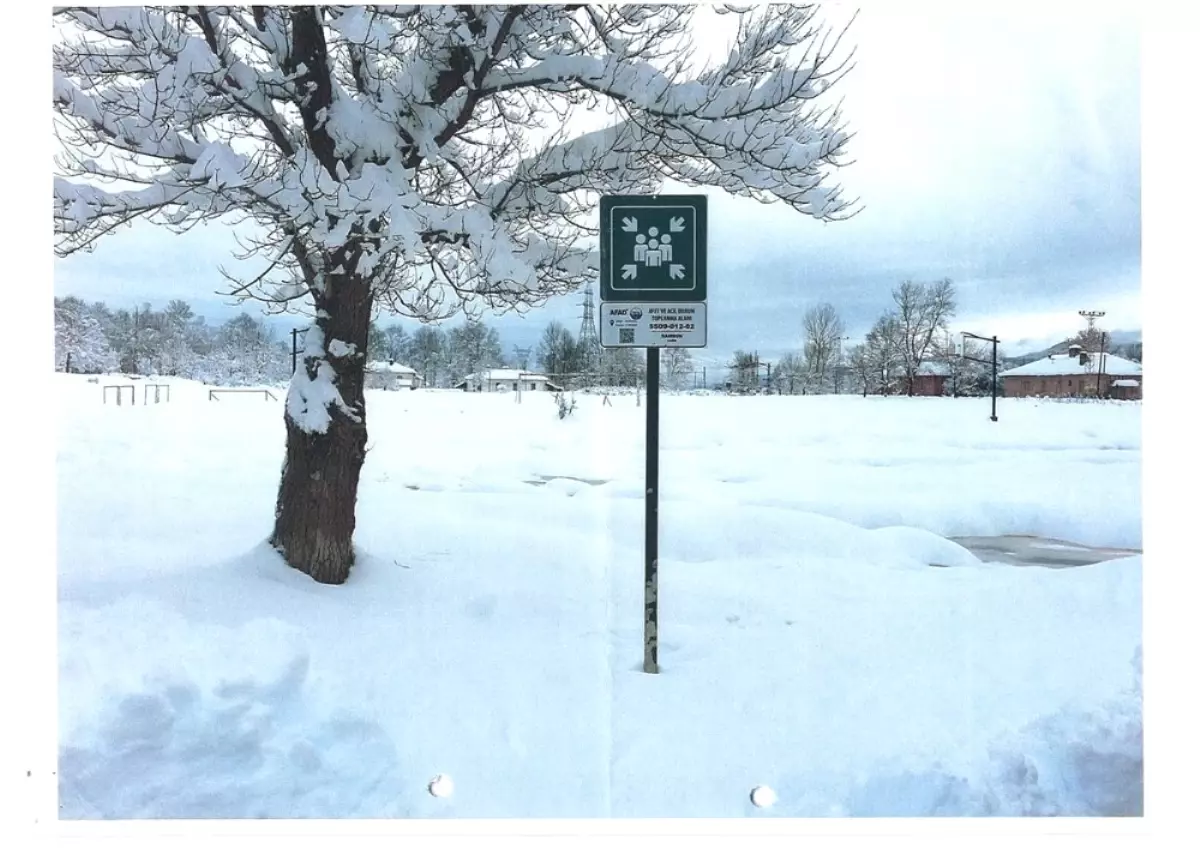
506,380
1126,389
930,379
1075,373
391,375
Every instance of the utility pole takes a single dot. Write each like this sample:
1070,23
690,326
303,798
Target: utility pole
837,366
589,341
1100,364
1091,315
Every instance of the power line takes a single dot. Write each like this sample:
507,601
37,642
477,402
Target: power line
589,341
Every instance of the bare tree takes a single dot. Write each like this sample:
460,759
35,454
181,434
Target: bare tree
677,366
1088,338
472,347
427,354
964,365
521,357
859,359
744,369
558,353
790,374
397,342
419,159
921,312
622,366
884,352
823,331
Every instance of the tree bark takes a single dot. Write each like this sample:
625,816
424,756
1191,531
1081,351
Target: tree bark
318,488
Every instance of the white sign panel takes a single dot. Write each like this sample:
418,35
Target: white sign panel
653,324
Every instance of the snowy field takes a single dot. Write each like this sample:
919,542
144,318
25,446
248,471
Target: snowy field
491,630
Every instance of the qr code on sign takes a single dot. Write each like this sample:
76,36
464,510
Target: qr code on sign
626,335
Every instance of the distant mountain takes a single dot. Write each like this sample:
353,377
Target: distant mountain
1120,343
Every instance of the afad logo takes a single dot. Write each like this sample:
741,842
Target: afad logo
635,314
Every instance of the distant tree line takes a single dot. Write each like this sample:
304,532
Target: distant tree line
570,363
91,338
1095,340
904,340
443,357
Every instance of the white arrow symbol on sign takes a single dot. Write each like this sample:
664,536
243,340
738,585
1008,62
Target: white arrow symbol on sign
629,225
629,272
676,272
677,225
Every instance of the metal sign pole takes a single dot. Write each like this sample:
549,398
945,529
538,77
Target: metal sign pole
653,294
650,646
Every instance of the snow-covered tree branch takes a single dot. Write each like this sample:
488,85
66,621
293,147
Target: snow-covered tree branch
421,159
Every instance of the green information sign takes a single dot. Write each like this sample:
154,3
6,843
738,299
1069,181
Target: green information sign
654,248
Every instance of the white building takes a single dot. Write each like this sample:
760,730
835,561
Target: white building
391,375
506,380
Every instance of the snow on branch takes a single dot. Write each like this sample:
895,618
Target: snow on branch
432,149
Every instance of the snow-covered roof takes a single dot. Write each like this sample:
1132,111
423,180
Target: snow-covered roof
506,374
394,367
934,369
1062,365
1126,384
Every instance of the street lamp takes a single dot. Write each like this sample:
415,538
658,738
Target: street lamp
995,342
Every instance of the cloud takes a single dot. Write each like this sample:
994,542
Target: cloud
998,146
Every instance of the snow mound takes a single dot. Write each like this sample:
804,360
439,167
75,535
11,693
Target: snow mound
209,735
705,532
253,749
1073,762
924,547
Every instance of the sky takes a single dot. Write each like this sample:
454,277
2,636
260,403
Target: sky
997,146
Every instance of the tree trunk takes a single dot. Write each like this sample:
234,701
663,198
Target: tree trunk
314,512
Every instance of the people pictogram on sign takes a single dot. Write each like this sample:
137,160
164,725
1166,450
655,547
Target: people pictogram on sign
654,255
639,249
652,249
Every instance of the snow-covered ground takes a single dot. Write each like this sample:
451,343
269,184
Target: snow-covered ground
491,630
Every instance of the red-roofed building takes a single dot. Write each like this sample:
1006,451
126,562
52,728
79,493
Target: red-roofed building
1075,373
